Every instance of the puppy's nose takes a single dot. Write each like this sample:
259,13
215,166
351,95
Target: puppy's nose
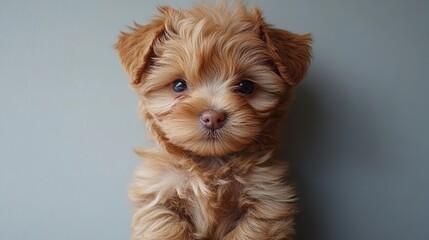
212,119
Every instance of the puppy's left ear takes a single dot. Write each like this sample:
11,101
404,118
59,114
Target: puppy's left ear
135,48
291,52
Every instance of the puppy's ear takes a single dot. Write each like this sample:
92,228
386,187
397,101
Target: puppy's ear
291,52
135,48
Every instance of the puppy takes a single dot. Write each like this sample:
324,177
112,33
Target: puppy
213,81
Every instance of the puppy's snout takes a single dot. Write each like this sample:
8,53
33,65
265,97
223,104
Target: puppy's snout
212,119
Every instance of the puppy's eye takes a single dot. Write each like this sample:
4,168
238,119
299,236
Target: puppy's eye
245,87
179,85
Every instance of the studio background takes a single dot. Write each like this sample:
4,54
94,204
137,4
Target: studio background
357,134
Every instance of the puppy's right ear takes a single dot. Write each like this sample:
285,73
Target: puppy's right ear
135,48
290,52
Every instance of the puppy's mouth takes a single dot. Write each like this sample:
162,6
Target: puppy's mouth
211,132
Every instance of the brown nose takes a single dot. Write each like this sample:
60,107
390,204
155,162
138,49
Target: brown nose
212,119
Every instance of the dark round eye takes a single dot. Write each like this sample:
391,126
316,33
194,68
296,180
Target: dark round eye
245,87
179,85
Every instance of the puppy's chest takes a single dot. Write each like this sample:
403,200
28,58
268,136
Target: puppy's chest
210,203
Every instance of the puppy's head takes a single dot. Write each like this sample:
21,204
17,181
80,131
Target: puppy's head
211,77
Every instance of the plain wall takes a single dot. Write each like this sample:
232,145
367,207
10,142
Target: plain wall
357,134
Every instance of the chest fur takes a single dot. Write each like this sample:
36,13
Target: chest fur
210,203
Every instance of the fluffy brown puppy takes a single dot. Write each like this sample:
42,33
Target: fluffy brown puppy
213,82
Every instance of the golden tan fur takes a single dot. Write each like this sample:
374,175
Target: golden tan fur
202,184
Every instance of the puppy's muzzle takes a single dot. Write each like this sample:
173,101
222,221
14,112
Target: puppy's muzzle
212,119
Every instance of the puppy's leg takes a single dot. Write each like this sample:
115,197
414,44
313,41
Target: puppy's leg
252,228
159,223
270,207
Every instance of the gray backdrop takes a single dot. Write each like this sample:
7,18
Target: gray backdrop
357,134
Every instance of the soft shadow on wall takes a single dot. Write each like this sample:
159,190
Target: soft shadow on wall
318,136
300,132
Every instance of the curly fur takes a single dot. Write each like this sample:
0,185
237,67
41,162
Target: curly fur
205,184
